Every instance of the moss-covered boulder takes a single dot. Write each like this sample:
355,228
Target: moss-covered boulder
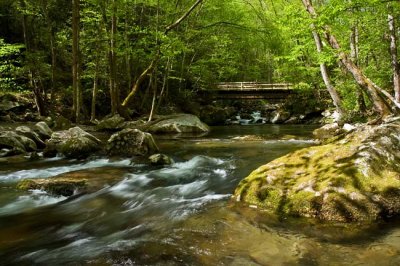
131,142
179,123
356,178
73,143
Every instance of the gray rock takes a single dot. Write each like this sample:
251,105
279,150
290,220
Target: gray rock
160,159
131,142
180,123
72,143
348,127
29,133
327,131
43,130
11,143
29,144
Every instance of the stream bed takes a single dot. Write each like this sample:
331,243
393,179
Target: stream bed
180,214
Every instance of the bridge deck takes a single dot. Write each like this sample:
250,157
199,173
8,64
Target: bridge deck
250,90
251,86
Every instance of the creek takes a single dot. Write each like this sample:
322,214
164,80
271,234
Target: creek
180,214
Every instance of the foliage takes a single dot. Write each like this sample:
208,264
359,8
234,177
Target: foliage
10,67
246,40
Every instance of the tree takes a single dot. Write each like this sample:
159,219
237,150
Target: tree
393,53
154,62
337,101
379,97
76,86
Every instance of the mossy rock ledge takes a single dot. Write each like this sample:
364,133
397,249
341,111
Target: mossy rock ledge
81,181
354,179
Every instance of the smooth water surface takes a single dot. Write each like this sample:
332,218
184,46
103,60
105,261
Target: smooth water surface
180,214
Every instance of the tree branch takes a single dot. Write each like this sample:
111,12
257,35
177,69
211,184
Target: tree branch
179,21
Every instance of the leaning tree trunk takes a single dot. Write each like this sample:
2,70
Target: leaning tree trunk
355,57
375,93
337,101
154,62
393,53
153,102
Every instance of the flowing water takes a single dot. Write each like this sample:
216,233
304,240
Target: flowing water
180,214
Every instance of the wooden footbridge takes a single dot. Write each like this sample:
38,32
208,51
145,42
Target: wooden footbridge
249,90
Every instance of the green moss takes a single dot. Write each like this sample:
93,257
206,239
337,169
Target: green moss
26,184
302,203
332,181
55,186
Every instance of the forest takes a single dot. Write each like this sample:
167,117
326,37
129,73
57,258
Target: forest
121,54
199,132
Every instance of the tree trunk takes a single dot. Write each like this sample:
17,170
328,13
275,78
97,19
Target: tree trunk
127,54
77,105
113,68
39,101
154,62
94,91
164,85
355,57
337,101
53,66
153,102
375,93
393,53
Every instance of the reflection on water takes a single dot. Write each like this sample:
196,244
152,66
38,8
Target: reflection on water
176,215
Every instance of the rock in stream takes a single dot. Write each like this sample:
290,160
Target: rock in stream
356,178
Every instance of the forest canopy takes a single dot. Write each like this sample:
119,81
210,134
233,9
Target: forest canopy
85,53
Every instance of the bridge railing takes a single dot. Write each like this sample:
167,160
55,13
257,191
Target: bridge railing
234,86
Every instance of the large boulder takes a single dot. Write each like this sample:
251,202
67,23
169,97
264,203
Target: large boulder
43,130
131,142
113,123
72,143
352,179
180,123
29,133
11,143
